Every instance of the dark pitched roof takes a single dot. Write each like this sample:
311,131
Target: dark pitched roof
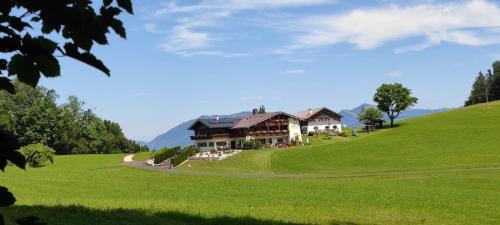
216,123
251,120
304,115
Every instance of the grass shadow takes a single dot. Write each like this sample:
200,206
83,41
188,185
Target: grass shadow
397,124
78,215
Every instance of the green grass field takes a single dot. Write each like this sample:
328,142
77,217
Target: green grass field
439,169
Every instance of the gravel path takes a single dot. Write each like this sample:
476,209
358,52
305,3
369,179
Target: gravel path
128,158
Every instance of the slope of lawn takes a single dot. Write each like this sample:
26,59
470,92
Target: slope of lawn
100,190
462,138
244,162
252,162
142,156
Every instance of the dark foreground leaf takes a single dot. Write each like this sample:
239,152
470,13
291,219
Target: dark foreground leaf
6,198
127,5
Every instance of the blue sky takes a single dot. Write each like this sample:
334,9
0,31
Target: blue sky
183,59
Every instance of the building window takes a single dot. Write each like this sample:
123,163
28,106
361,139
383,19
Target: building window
270,140
202,144
279,140
327,127
210,144
221,143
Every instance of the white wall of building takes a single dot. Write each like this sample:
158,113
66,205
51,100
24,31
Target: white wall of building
322,127
294,129
271,140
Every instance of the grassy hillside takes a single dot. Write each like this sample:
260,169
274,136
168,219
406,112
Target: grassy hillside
461,138
99,189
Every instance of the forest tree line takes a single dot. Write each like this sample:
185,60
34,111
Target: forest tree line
486,87
33,116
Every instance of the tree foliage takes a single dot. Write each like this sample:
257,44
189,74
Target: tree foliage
485,87
393,99
251,144
38,154
164,154
262,109
63,27
370,115
75,23
480,88
180,158
495,82
33,117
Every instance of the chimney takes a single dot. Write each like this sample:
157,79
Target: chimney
310,111
254,111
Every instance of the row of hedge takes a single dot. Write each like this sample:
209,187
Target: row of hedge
251,144
180,158
165,153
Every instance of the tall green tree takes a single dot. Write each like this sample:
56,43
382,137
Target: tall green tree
489,82
31,114
262,109
479,92
495,82
393,99
32,33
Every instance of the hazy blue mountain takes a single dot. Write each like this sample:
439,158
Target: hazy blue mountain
351,120
180,135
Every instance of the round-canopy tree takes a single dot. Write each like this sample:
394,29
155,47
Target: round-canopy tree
370,116
393,99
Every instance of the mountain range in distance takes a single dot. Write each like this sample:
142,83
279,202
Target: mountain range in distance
180,135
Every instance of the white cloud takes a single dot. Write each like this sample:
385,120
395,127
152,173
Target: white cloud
152,28
212,53
294,71
416,47
231,6
183,39
473,23
186,34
